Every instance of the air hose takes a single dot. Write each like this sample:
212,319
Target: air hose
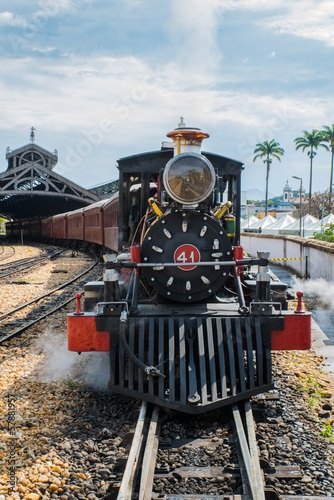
149,370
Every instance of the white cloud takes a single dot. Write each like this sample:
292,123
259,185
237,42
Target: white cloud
48,9
306,19
53,8
75,93
247,4
43,50
10,19
311,19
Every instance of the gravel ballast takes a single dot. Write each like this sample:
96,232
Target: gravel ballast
67,436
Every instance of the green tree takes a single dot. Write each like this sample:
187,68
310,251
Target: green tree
328,135
310,141
326,235
265,150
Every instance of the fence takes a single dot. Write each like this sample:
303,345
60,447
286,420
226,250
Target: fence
309,258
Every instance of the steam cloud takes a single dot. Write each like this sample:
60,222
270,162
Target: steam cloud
323,312
90,368
319,288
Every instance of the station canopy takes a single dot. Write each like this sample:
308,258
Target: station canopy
29,188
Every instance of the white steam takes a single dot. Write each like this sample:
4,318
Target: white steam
193,34
319,288
60,364
322,292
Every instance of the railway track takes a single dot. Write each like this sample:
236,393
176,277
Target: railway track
10,268
13,325
6,252
142,456
142,471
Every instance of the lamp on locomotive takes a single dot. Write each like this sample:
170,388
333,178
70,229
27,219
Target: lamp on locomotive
189,178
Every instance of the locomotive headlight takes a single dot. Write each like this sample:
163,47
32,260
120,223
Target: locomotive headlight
189,178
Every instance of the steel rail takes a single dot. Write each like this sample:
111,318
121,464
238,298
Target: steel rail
142,456
143,453
125,490
150,456
20,330
3,257
29,262
33,301
18,262
48,313
49,252
248,448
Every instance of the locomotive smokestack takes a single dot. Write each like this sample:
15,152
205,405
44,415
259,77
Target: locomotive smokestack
187,139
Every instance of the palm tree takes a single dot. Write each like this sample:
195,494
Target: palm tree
310,141
328,136
266,150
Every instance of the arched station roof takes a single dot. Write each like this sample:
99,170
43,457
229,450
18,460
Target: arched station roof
29,188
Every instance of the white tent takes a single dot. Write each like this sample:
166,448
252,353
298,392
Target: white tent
279,224
262,223
247,223
293,229
319,225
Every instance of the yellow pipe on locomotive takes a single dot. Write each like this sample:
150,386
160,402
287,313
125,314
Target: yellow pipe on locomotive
155,207
222,209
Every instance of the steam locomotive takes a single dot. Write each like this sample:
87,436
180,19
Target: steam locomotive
189,322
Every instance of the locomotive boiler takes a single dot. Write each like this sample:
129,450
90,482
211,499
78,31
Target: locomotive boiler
189,322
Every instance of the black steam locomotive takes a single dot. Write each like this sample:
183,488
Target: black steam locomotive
189,322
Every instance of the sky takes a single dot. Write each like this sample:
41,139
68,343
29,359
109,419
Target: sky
104,79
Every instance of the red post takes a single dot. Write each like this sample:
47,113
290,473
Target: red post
78,311
135,256
238,254
299,306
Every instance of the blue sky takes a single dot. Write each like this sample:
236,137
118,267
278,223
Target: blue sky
105,79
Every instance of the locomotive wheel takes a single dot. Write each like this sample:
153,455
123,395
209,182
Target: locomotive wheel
185,238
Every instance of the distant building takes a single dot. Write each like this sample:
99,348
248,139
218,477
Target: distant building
30,189
287,193
277,209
